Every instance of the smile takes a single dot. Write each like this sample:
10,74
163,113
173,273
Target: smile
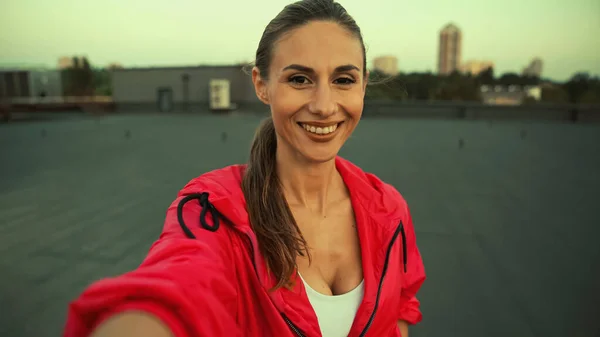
320,130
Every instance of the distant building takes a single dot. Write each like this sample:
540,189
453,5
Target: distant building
194,88
114,66
30,83
449,57
70,62
476,67
534,92
386,64
65,62
534,68
509,95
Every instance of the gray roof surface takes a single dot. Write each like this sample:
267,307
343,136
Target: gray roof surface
508,225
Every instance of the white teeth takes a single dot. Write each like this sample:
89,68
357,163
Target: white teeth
320,130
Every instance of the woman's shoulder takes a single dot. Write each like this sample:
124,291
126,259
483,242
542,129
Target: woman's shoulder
211,203
220,180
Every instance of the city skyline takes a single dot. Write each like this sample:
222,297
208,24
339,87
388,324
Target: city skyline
180,32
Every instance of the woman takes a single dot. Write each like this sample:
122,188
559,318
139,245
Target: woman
298,242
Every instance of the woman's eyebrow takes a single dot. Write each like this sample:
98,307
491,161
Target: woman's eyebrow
309,70
346,67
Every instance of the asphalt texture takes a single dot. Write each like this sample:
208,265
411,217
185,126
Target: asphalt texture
507,214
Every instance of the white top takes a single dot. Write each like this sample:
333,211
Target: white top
335,313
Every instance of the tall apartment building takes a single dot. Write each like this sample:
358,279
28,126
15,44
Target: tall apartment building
450,49
386,64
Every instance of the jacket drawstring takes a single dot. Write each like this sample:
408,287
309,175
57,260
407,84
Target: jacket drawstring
206,206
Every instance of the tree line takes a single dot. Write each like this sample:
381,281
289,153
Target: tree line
81,79
580,88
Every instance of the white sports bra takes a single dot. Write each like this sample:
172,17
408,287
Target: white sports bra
335,313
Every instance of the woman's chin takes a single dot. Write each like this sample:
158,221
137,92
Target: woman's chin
320,153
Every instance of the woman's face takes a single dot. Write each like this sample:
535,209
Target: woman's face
315,90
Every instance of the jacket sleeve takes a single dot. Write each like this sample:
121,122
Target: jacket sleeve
186,283
409,308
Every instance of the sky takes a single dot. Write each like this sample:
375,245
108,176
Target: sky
564,34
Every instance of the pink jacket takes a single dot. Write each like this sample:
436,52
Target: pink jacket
204,276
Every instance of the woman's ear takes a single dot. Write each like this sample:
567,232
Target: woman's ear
260,86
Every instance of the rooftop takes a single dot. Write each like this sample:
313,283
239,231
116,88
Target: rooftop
450,28
506,213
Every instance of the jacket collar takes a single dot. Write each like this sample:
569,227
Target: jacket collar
379,200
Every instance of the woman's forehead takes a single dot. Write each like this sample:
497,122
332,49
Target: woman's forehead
318,45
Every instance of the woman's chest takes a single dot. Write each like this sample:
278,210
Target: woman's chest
334,264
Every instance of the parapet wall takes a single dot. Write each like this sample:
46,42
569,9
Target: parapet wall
479,111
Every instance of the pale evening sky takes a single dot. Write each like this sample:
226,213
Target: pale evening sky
565,34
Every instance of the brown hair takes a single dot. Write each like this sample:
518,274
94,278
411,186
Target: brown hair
278,235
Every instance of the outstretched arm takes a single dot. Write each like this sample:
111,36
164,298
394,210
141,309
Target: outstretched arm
132,323
181,283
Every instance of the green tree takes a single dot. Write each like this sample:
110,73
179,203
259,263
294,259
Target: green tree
579,85
554,94
510,79
78,80
102,82
383,86
592,94
486,77
530,80
458,87
420,86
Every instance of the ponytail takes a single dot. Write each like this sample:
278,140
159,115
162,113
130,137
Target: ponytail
278,235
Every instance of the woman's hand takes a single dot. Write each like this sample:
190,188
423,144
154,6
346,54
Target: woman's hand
403,328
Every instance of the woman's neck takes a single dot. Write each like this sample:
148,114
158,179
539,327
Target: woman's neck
308,184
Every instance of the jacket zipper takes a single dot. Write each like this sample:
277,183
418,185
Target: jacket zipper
292,326
385,267
399,229
404,252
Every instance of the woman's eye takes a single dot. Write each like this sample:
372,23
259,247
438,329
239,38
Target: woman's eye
298,80
344,81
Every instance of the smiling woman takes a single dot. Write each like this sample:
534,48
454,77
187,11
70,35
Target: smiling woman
298,241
